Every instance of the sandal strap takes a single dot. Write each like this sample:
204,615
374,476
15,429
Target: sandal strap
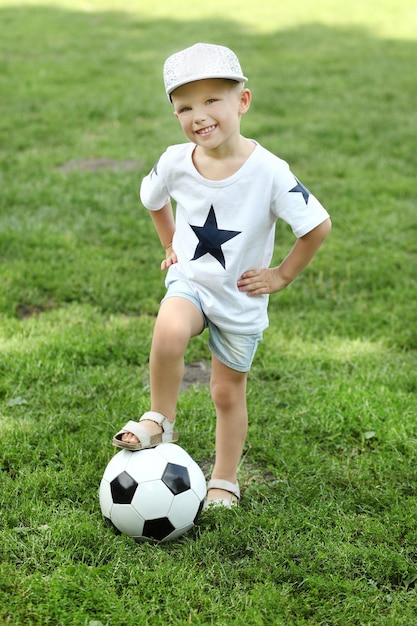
160,419
142,433
219,483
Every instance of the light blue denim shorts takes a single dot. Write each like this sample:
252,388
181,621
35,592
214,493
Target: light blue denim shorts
234,350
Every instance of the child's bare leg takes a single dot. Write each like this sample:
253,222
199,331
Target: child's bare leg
228,390
178,320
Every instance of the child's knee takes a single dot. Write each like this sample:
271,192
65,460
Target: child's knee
224,394
170,340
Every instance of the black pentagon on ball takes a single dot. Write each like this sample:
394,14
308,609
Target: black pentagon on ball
176,478
123,488
157,529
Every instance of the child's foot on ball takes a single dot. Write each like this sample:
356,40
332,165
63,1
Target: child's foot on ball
152,429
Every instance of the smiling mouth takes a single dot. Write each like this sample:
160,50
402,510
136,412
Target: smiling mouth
205,131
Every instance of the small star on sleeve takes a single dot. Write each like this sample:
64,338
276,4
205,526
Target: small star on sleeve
299,188
155,169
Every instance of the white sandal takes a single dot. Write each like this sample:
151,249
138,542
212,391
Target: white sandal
225,485
146,440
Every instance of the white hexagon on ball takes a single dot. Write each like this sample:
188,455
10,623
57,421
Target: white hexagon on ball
127,520
153,499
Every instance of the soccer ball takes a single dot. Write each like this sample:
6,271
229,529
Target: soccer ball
154,494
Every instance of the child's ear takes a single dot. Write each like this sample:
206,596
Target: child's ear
245,101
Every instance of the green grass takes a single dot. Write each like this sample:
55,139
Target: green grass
327,531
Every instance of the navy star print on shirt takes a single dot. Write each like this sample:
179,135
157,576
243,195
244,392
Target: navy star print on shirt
299,188
211,238
155,169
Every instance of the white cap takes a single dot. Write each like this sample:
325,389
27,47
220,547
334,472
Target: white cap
203,60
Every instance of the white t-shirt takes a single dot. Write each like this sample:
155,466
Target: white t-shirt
226,227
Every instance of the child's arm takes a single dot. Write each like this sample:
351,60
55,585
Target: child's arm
270,280
164,223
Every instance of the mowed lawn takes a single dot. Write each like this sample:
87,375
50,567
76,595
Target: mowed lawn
326,532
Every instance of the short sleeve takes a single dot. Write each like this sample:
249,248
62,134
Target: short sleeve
296,205
153,191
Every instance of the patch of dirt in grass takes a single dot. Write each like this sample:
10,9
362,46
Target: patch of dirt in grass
196,374
32,310
94,165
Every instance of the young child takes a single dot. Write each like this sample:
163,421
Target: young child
229,192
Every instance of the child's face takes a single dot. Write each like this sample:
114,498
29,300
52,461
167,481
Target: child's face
209,110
